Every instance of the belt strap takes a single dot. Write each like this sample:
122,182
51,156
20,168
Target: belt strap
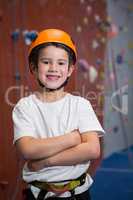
27,194
42,194
70,186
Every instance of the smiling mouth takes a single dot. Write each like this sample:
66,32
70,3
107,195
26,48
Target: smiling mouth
53,77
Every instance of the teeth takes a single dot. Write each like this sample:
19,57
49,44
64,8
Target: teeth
54,75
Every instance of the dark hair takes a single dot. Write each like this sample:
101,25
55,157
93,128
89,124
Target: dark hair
33,57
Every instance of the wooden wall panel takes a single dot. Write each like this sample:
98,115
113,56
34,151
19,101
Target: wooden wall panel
21,15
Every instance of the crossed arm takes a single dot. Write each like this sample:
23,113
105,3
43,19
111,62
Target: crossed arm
70,149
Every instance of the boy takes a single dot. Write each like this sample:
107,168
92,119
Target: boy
56,132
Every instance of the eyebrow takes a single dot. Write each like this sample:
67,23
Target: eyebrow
60,59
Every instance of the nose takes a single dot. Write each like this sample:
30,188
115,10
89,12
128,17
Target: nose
52,67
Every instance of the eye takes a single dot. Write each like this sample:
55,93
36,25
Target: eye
61,63
46,62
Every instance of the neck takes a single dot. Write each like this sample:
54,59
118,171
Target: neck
50,96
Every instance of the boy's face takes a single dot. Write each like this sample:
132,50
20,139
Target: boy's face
53,67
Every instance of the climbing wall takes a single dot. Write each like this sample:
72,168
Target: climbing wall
118,79
85,20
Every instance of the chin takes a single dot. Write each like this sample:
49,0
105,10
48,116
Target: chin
53,86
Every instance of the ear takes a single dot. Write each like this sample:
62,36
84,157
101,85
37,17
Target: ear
70,70
32,68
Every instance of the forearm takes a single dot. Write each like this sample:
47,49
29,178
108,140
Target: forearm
76,155
32,148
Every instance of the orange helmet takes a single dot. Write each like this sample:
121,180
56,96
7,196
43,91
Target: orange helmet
53,35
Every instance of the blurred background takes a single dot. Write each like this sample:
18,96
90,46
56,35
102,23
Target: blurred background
102,32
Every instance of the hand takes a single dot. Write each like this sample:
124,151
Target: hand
76,138
35,165
31,165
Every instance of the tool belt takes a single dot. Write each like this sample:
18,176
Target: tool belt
46,187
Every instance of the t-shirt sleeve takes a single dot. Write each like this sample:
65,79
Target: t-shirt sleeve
22,121
87,118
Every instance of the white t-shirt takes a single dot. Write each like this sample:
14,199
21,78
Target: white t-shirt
38,119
